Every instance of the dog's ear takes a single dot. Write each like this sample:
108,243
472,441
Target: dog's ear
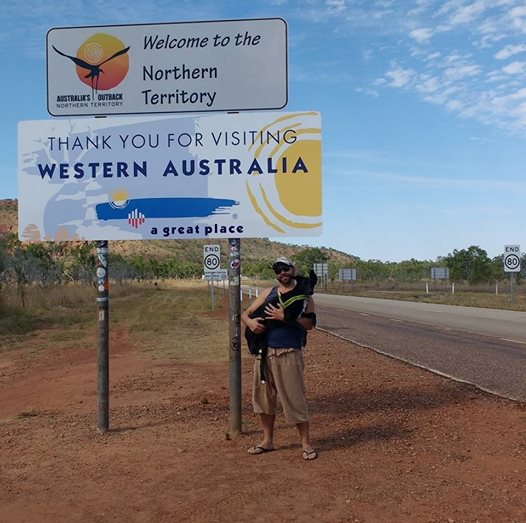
313,278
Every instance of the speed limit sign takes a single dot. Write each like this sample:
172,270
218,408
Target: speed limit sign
211,258
512,258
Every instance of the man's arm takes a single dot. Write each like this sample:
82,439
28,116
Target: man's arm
254,323
309,320
276,312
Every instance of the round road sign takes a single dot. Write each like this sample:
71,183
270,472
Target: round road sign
512,263
211,262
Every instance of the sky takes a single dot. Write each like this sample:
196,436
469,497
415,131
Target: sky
422,102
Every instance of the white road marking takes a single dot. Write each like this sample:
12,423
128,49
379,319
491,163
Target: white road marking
514,341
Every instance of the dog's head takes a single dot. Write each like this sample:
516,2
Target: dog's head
305,285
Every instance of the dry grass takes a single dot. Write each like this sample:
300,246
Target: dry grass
463,298
174,320
169,319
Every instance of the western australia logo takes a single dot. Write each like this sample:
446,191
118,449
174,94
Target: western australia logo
100,50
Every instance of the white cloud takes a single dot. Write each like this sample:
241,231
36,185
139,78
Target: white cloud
429,85
433,56
517,12
510,50
467,13
400,77
521,93
422,35
517,17
453,105
335,6
514,68
366,90
461,70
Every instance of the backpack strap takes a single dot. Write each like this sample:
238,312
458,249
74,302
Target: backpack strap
291,300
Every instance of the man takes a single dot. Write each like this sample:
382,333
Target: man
284,368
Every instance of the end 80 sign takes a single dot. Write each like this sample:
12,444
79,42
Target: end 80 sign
512,258
211,258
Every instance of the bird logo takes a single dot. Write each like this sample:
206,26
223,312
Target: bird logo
98,50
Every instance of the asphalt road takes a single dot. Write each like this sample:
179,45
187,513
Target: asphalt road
485,347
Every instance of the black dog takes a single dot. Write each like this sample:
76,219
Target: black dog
293,303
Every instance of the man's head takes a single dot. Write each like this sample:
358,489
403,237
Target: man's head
283,269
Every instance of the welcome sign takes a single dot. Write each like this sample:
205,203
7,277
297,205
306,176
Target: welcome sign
229,65
213,176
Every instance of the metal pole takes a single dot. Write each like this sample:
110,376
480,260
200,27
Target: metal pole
212,294
234,273
103,374
512,277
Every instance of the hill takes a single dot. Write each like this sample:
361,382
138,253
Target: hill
254,249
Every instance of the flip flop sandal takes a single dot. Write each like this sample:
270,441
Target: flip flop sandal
309,455
258,449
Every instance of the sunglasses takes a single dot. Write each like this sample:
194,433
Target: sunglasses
278,269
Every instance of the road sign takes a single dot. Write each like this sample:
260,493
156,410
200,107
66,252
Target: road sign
439,273
347,274
321,269
219,274
211,258
165,178
223,65
512,258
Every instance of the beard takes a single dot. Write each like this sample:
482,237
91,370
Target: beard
285,279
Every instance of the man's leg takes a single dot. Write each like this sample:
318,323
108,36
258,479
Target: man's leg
267,424
303,429
308,451
264,400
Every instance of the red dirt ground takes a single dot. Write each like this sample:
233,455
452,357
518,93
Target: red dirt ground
395,443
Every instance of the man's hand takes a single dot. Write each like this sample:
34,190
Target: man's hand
275,313
256,325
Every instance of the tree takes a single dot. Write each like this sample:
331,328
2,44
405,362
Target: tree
471,265
80,266
306,259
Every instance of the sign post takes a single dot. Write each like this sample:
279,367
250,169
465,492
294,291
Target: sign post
234,359
103,372
512,264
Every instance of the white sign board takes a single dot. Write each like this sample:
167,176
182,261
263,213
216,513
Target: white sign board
211,258
512,258
321,269
220,274
440,273
347,274
244,175
228,65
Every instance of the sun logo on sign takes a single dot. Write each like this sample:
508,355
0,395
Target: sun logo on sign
119,199
289,202
100,49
